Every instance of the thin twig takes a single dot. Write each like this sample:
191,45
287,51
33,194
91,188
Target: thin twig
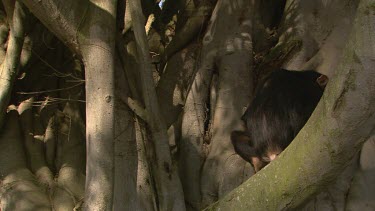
49,91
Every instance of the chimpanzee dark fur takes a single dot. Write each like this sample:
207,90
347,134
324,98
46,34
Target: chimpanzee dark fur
281,106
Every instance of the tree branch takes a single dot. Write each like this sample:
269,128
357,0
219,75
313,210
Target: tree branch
167,181
62,18
9,68
97,45
343,120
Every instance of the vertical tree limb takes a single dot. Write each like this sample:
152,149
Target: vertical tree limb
126,153
97,44
223,170
167,181
9,68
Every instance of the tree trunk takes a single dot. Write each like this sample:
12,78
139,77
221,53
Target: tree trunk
209,78
126,153
322,27
360,196
97,45
294,178
168,185
231,53
9,68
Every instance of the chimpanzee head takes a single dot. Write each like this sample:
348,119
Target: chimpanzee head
282,105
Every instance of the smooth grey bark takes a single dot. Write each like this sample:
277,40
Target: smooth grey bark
69,159
175,83
63,18
63,187
168,185
88,28
126,153
322,27
179,71
97,44
334,196
191,28
231,52
146,195
344,119
145,182
33,147
9,67
361,194
4,33
191,154
19,188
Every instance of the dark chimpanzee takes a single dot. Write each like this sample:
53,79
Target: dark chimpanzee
281,106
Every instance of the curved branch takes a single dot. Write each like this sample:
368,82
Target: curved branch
344,119
167,181
189,31
63,18
9,68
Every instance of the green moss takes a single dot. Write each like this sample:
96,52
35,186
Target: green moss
369,9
